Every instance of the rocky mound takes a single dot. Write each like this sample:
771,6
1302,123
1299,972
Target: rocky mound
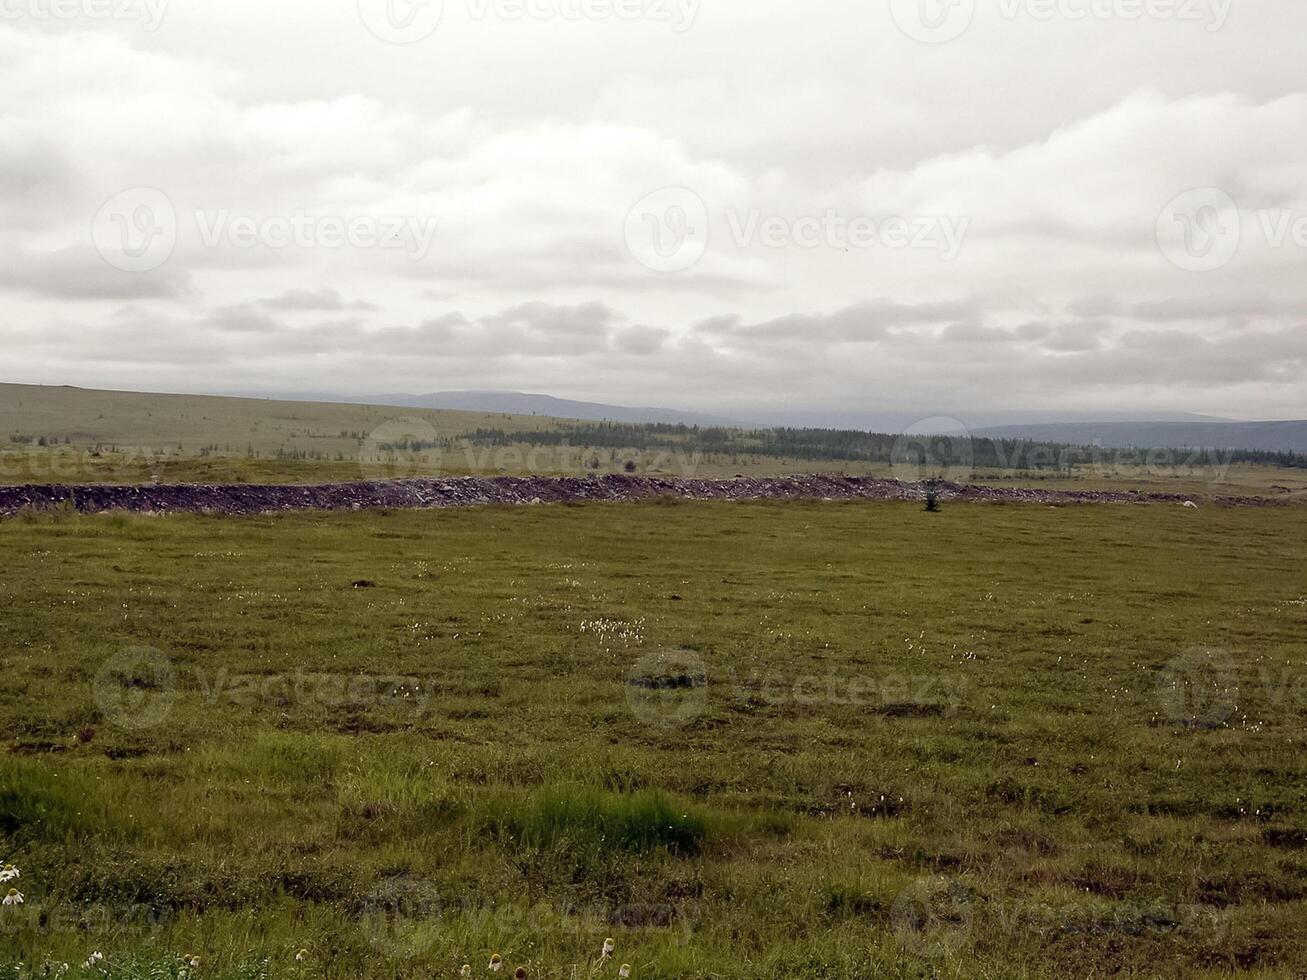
478,491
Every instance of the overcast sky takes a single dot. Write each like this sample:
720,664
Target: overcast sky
941,206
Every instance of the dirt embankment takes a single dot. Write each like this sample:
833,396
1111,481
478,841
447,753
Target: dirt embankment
476,491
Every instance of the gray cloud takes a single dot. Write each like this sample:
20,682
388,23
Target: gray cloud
78,273
242,319
316,300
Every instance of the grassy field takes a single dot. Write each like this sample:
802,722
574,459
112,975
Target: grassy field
77,436
755,740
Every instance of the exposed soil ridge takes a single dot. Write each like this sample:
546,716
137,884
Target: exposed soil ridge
477,491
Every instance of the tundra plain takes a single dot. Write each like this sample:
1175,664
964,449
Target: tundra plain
771,739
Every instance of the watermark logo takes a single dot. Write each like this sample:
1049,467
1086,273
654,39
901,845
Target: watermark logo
136,229
1203,229
401,21
933,449
136,688
400,449
398,913
933,21
932,917
668,689
1199,688
148,13
667,231
1200,230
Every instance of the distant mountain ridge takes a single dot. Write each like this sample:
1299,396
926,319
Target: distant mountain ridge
1112,430
524,403
781,416
1273,437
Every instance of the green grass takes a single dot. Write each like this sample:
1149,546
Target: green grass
762,740
590,822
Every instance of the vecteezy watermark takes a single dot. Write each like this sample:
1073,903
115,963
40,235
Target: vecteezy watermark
1203,229
302,229
410,447
1207,688
1209,465
670,689
138,688
148,13
941,917
934,449
34,460
398,914
1210,14
138,229
833,230
410,21
890,695
75,918
304,688
939,21
669,230
680,15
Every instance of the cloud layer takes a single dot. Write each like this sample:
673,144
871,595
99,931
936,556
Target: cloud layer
841,216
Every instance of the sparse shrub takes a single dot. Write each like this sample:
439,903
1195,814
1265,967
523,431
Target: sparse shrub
932,497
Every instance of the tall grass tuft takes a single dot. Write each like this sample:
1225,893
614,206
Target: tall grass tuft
36,804
584,819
